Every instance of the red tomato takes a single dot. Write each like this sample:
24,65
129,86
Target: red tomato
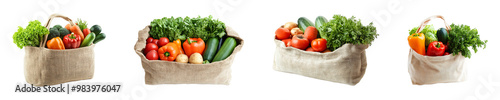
162,41
149,40
86,31
318,44
149,47
326,51
155,41
282,33
152,55
311,33
299,42
310,49
287,42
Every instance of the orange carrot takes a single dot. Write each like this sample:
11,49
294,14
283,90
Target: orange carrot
68,26
75,29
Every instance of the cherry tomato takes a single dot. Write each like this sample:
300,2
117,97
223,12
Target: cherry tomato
152,55
162,41
326,51
282,33
149,40
299,42
311,33
155,41
318,44
149,47
86,31
310,49
287,42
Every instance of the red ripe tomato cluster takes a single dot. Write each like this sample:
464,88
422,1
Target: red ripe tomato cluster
292,36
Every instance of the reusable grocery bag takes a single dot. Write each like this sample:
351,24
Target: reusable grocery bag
435,69
171,72
345,65
44,66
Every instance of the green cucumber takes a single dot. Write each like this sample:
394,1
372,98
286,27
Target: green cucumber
210,48
226,50
442,35
96,29
99,37
221,40
303,23
88,40
320,20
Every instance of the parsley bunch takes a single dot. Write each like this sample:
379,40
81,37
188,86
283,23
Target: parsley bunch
461,37
182,28
341,30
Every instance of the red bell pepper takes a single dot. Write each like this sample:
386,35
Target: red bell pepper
72,41
193,45
436,48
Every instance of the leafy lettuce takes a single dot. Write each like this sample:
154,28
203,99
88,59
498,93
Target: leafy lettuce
31,35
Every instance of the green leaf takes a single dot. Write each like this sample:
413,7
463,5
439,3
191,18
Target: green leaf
341,30
31,35
81,24
180,28
461,37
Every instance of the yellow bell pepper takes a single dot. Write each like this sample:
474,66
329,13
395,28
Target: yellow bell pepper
417,42
55,43
179,45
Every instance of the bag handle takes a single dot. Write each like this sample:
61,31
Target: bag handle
426,21
47,25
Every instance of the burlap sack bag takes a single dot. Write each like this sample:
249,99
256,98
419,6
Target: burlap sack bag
171,72
44,66
435,69
345,65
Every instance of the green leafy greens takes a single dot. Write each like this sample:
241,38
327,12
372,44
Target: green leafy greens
461,37
31,35
427,28
182,28
341,30
81,24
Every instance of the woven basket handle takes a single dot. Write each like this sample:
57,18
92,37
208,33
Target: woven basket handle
426,21
47,25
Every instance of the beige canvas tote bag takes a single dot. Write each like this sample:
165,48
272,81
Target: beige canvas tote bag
171,72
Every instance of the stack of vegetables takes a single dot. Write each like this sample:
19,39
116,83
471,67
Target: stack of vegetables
194,40
325,36
455,39
59,38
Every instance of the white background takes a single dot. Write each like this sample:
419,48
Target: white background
256,20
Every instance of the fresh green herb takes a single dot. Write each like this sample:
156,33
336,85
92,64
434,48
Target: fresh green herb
81,23
31,35
461,37
182,28
341,30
